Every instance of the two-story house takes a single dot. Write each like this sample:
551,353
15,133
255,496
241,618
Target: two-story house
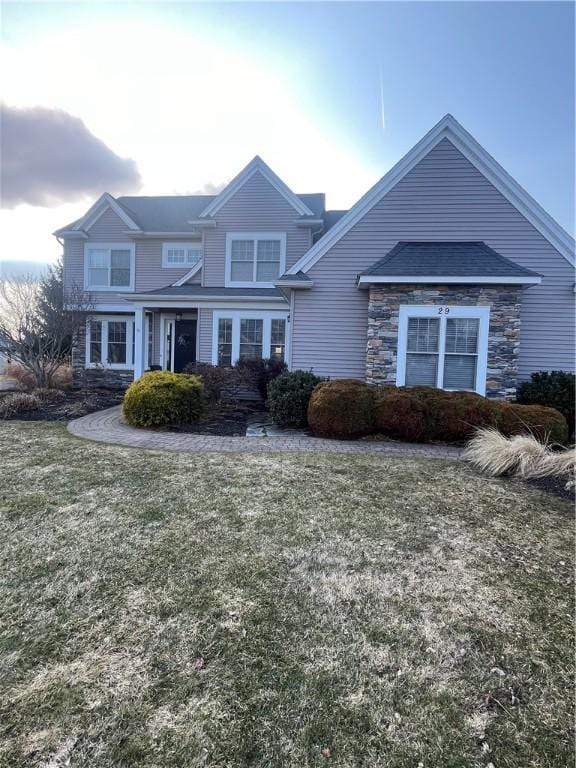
445,273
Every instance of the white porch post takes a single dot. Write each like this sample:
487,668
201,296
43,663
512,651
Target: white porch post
139,342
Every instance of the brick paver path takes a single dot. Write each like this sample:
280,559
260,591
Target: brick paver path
108,427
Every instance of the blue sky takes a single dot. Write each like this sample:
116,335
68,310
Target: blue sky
306,85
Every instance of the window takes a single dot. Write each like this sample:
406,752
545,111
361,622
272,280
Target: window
255,259
225,341
109,266
277,339
443,346
422,351
251,339
110,343
181,254
243,335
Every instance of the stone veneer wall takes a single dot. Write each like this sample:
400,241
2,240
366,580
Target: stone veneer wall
95,378
503,334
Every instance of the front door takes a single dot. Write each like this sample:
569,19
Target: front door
184,344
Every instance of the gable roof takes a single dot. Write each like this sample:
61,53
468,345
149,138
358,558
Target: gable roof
430,261
447,128
256,165
104,202
171,213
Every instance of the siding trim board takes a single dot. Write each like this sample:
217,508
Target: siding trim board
448,128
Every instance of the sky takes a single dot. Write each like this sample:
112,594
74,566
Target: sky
175,98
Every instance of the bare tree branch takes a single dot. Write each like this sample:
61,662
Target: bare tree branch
40,321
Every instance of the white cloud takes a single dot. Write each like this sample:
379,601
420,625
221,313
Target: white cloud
190,108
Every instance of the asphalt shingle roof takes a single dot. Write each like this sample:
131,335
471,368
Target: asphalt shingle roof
172,214
446,259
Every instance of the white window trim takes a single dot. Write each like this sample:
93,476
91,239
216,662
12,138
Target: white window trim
105,319
90,245
197,246
236,316
230,236
443,312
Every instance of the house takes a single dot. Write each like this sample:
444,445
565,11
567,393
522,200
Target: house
445,273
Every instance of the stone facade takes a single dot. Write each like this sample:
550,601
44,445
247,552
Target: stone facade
503,335
96,378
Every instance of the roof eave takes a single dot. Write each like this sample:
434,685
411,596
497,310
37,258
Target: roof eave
365,281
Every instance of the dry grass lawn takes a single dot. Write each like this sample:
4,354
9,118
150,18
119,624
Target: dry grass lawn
172,610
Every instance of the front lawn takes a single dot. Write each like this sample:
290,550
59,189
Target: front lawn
277,611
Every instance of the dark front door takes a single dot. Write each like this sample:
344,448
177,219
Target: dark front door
184,344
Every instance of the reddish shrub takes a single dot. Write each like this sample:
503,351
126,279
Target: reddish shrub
546,424
343,409
400,414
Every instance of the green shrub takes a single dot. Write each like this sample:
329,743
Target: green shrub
342,409
161,397
288,397
546,424
555,389
399,413
17,402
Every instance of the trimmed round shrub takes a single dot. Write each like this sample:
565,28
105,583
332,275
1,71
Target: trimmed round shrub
400,414
288,397
159,398
343,409
455,416
546,424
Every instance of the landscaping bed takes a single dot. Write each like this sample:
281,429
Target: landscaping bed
65,405
173,609
224,418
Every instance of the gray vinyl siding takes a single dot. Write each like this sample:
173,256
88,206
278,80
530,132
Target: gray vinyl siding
443,198
150,274
256,207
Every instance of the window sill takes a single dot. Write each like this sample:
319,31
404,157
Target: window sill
110,288
230,284
117,367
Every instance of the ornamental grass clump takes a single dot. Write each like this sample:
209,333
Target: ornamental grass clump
17,402
520,455
343,409
545,424
162,398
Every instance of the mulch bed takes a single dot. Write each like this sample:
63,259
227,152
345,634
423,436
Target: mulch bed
72,405
555,485
228,419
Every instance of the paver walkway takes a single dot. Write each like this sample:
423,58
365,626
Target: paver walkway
108,427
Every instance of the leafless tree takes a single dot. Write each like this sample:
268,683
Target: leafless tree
37,334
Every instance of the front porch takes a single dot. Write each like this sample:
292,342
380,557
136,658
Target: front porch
174,327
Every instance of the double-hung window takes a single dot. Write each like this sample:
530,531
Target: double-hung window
443,346
248,336
180,254
254,259
109,266
110,342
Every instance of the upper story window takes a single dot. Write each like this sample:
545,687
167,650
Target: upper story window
181,254
255,259
109,266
